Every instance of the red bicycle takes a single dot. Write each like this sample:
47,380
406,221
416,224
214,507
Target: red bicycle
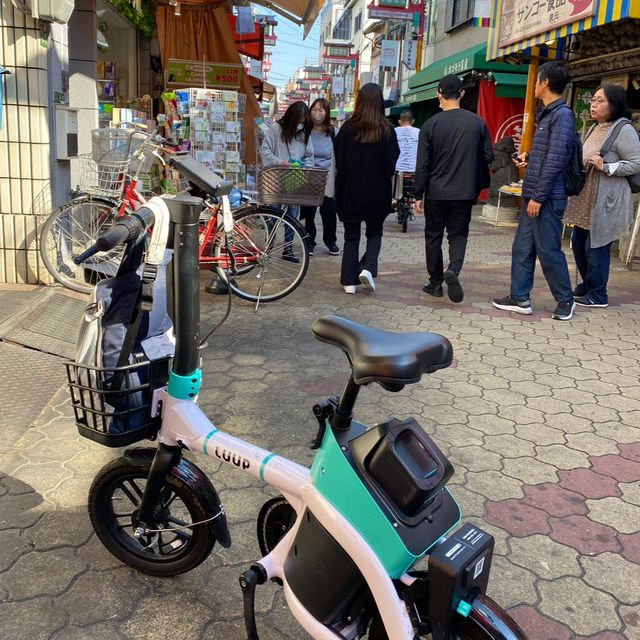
263,258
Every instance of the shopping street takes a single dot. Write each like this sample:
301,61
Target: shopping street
541,420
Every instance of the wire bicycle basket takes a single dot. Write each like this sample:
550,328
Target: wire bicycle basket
292,185
105,180
116,417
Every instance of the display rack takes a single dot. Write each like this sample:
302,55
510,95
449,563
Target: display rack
216,131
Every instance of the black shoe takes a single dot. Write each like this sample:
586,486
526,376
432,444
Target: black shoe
333,249
289,256
580,290
511,304
564,310
588,302
454,289
434,290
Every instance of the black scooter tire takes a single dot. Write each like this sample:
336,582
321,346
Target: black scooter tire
113,499
486,621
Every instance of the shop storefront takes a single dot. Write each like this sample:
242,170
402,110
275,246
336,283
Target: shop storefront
493,90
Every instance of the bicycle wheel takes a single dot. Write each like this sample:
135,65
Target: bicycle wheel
71,229
114,499
267,256
486,621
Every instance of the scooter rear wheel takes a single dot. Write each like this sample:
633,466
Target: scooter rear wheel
486,621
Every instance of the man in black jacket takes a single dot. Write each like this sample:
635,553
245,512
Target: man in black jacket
544,200
454,153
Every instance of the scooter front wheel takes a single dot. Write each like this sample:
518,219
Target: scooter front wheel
486,621
174,547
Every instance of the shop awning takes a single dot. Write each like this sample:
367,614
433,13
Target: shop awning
460,63
334,112
502,16
249,44
397,109
426,92
510,85
302,12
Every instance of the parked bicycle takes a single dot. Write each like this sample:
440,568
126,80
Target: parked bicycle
263,258
345,534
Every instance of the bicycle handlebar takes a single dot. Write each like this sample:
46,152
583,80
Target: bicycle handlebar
125,229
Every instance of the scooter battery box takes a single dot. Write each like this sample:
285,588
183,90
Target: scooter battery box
458,571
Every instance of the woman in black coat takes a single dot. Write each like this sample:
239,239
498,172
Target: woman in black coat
366,150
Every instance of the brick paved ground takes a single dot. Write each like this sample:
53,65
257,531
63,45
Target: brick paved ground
541,420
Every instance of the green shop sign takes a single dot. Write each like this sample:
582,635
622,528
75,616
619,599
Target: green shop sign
210,75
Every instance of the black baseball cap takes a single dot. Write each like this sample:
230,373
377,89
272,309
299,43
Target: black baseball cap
450,85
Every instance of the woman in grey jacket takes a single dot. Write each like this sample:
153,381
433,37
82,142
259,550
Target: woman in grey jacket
285,142
603,211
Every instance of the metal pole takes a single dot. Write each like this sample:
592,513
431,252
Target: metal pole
530,103
420,36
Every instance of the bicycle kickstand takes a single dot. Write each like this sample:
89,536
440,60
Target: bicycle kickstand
249,580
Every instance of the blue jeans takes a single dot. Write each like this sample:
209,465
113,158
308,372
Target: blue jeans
540,237
593,265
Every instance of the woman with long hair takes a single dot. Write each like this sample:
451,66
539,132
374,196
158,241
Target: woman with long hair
366,150
285,142
323,135
603,211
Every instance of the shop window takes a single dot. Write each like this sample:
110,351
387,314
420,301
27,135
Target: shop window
458,12
357,23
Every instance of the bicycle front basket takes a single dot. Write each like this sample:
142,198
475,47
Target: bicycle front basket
292,185
121,416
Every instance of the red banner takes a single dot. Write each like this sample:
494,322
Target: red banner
502,115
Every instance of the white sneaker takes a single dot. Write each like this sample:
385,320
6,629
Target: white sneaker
366,280
349,288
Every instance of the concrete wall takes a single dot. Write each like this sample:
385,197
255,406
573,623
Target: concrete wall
25,166
47,62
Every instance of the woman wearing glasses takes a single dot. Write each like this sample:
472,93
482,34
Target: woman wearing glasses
603,211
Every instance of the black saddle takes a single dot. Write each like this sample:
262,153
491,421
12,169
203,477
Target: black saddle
382,356
198,175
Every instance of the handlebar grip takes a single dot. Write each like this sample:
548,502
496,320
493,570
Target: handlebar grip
126,228
118,234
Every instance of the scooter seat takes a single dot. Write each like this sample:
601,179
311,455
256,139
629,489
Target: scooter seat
382,356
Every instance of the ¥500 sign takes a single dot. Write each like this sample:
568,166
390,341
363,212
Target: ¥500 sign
210,75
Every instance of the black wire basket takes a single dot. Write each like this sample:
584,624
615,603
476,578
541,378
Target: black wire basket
112,406
292,185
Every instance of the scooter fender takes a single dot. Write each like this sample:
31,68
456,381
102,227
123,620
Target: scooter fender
200,484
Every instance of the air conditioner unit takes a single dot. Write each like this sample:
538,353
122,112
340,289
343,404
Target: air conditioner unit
51,10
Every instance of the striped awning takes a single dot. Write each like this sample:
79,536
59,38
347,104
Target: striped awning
607,11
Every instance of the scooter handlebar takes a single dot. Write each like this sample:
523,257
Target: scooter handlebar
126,228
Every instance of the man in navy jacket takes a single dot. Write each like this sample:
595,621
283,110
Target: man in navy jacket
539,230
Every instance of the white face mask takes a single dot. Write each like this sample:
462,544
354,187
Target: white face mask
317,117
300,127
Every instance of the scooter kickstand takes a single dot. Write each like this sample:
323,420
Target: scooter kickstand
249,580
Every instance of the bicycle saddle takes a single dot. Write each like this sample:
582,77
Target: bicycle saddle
200,176
382,356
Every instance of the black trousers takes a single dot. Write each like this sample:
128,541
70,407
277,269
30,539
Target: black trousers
328,216
351,265
454,216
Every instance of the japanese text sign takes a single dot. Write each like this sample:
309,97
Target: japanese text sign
520,19
191,73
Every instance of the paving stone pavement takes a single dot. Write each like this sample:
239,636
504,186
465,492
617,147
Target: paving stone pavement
541,420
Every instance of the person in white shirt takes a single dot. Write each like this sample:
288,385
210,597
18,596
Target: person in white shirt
407,136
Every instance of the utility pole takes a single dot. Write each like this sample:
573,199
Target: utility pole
421,34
